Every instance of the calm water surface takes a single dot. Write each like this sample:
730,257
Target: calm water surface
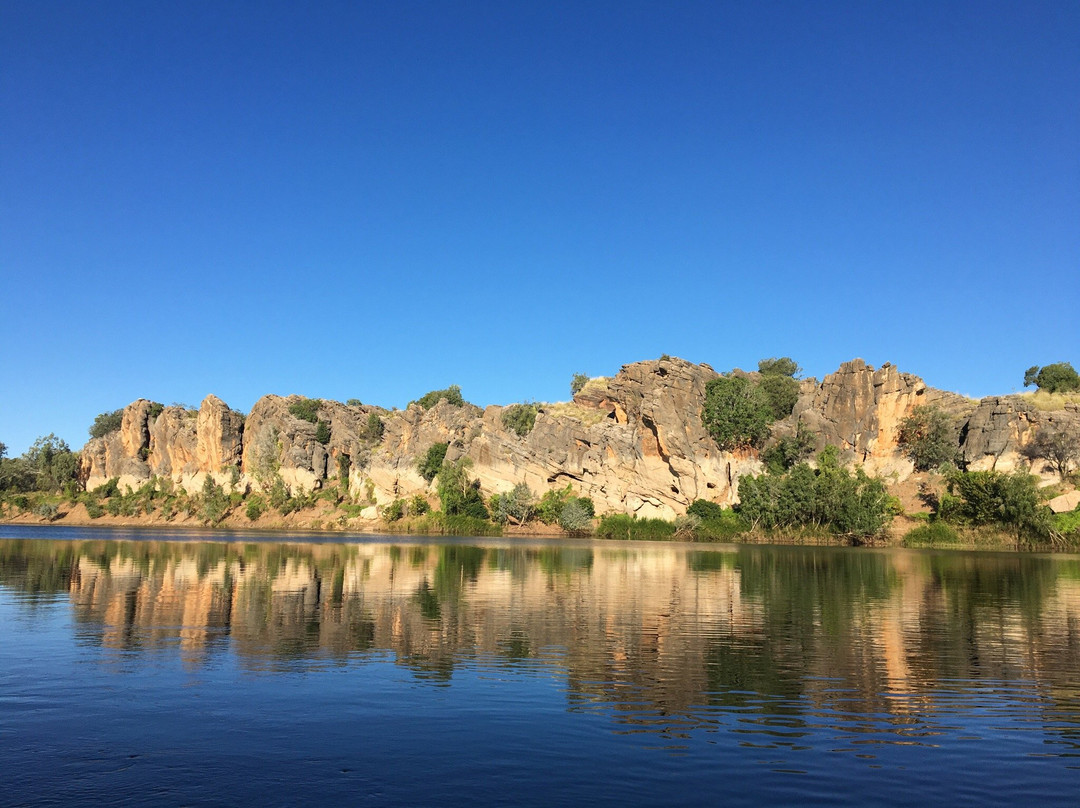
158,669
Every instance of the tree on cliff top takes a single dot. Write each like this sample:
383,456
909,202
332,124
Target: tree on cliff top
1060,377
737,412
105,423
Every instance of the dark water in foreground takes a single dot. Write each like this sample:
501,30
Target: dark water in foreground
520,673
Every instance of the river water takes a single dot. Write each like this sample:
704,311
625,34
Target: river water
179,668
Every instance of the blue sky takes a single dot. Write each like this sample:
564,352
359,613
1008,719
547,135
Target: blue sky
371,200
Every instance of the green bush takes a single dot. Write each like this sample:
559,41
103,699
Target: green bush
929,438
737,412
829,497
451,395
322,432
418,506
109,488
576,515
703,509
94,510
48,510
932,534
394,511
306,409
256,507
1010,501
722,528
432,461
106,423
622,526
520,418
577,383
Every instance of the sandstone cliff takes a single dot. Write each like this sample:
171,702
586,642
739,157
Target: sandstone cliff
635,443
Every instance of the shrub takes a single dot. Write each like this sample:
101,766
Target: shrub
306,409
322,432
622,526
577,383
94,510
993,498
829,496
106,423
520,418
394,511
724,527
155,410
256,507
47,509
576,515
418,506
737,413
1060,377
109,488
354,402
929,438
932,534
451,395
703,509
431,462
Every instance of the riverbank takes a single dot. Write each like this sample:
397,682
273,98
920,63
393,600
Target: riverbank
903,531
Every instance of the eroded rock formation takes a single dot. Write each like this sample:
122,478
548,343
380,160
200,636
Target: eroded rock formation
634,443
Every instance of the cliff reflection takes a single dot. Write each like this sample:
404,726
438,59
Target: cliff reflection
661,635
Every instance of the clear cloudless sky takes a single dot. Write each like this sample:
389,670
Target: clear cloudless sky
374,199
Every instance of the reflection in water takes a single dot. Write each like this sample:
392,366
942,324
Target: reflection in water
661,636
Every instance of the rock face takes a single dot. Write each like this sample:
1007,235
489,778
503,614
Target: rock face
859,410
634,443
167,442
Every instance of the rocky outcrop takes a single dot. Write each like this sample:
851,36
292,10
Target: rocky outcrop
169,442
635,443
860,409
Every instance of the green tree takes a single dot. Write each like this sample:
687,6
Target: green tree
451,395
458,492
830,496
432,461
106,422
928,437
1058,445
374,428
784,366
737,413
516,505
577,382
1059,377
52,463
322,432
